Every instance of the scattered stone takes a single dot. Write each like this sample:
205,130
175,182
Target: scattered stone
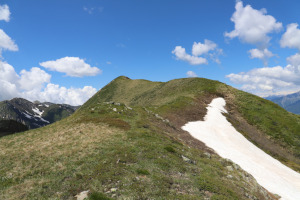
229,168
82,195
236,166
158,117
228,160
207,155
166,121
229,176
185,159
114,109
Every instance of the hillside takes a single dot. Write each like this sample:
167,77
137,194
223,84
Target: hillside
289,102
32,114
126,142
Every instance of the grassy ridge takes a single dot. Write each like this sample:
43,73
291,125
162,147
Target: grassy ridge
136,161
123,152
280,126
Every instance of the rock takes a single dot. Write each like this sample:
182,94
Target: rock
236,166
207,155
185,159
229,168
229,176
158,117
82,195
114,109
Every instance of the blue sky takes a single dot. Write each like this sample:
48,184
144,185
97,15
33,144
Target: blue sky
58,48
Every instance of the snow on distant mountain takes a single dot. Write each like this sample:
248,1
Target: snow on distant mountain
34,114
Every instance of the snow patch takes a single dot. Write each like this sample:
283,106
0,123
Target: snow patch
37,111
217,133
27,116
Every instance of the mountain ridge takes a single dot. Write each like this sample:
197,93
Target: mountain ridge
33,114
127,142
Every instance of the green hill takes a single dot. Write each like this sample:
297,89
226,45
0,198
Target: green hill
126,142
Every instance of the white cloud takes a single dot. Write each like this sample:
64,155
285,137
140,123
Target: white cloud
263,54
91,10
31,85
57,94
191,74
8,90
108,62
4,13
252,26
294,60
6,43
203,48
72,66
268,80
182,55
7,72
208,48
291,38
33,79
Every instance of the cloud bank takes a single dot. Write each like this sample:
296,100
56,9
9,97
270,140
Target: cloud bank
35,85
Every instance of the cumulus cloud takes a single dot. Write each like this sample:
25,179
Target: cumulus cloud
294,60
203,48
263,54
198,49
6,43
72,66
7,72
4,13
181,54
291,38
33,79
57,94
32,86
252,26
268,80
191,74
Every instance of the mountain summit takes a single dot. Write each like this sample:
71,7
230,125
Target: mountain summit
127,142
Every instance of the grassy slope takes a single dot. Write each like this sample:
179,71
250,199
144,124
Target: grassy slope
100,149
279,126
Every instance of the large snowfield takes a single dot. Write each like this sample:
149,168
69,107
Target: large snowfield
217,133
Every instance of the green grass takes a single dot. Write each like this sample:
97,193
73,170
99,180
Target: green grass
84,152
105,146
271,119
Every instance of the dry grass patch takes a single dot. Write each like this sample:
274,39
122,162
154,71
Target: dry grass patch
48,156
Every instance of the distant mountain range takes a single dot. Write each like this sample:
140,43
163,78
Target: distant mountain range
289,102
20,114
